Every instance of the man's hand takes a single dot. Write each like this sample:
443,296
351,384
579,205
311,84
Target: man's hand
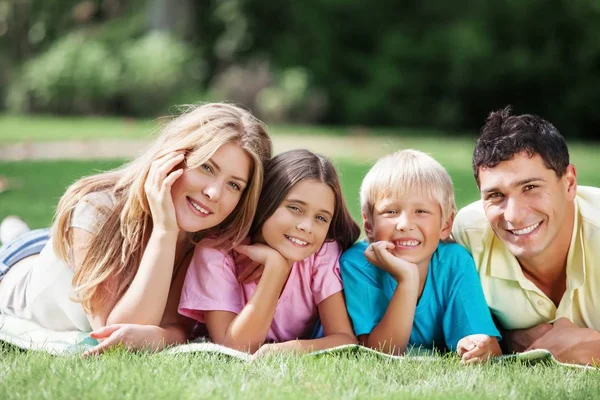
570,344
520,340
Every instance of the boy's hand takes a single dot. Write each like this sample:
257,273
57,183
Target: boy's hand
378,254
476,348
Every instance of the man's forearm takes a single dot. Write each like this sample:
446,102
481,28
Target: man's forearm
570,343
519,340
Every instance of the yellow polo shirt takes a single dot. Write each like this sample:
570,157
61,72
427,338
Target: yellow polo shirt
513,299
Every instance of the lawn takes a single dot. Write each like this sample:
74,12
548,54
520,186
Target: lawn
38,186
122,375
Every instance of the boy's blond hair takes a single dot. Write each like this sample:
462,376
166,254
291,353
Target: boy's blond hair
407,171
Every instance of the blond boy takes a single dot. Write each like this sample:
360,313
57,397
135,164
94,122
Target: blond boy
406,286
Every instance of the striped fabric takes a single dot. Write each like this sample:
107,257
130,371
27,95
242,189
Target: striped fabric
27,244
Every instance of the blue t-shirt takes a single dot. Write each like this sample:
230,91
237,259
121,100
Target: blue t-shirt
451,306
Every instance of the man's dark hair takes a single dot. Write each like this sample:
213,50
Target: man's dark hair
505,135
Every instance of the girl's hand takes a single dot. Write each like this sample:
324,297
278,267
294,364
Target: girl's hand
262,254
130,336
265,350
378,254
475,348
158,190
253,270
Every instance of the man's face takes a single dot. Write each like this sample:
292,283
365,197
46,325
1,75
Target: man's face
526,205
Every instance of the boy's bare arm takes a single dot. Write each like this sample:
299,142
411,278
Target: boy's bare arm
392,333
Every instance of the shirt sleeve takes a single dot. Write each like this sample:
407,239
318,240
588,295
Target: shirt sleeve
210,284
326,279
365,298
467,312
91,211
459,233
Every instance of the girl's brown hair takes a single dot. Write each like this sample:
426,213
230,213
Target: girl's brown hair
284,172
116,250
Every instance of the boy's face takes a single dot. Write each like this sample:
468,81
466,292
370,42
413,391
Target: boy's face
412,223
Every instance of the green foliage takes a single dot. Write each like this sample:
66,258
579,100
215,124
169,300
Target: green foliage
80,74
434,64
440,64
76,75
154,71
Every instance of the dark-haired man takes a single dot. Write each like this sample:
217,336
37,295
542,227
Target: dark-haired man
535,238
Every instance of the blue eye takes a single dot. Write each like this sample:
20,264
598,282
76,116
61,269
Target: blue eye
207,168
322,218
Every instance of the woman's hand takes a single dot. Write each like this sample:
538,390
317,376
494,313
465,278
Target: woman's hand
130,336
158,190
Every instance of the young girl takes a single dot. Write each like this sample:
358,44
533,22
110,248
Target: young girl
301,226
121,241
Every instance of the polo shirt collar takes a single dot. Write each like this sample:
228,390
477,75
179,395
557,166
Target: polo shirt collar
501,262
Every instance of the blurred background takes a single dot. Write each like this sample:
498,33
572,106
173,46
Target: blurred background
84,83
419,64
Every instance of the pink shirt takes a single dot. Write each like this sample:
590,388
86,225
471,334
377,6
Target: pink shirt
211,284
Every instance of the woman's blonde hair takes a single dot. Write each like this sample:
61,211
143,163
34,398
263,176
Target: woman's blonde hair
407,171
117,248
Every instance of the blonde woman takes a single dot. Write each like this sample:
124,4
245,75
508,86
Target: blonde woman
116,256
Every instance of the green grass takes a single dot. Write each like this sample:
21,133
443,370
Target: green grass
28,128
133,376
39,184
122,375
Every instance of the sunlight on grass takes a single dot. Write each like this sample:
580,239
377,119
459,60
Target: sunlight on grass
132,376
37,187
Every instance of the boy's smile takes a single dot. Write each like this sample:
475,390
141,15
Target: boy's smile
412,223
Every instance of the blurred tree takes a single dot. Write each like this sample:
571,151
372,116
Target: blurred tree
438,63
414,63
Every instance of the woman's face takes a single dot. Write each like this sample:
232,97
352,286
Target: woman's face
299,226
203,197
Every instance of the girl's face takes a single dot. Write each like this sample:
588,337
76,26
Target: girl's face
203,197
299,226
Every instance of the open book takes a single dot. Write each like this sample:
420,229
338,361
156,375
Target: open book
30,336
344,350
531,357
